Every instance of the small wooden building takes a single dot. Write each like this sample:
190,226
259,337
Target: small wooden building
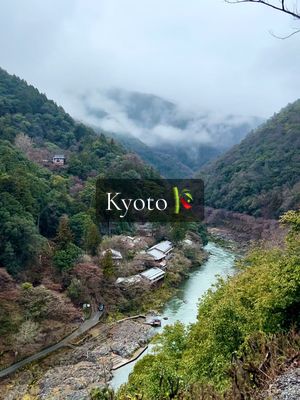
59,159
160,251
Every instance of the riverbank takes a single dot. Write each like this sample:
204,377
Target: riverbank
183,306
71,373
227,239
243,228
183,261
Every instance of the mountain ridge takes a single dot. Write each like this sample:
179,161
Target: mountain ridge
183,139
261,175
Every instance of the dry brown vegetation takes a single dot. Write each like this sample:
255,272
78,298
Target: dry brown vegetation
246,227
31,318
253,371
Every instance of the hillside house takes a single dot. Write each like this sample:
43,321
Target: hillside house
160,252
59,160
153,275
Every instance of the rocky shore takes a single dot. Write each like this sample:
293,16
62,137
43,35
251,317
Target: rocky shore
71,373
286,386
228,239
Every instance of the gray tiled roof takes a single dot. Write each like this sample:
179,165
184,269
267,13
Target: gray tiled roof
153,273
156,254
164,246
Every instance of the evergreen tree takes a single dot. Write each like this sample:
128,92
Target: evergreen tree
64,234
178,231
65,259
92,239
107,264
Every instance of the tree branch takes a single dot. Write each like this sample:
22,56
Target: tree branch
284,37
281,8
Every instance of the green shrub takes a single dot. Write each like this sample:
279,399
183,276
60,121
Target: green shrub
65,259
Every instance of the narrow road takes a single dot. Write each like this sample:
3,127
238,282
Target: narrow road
84,327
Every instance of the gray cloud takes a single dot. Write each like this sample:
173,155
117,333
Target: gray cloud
204,55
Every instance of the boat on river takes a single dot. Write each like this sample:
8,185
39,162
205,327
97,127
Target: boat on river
155,322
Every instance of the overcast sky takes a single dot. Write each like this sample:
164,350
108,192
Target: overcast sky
203,54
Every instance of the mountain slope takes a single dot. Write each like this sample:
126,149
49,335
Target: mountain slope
48,220
168,165
34,198
260,176
23,110
177,142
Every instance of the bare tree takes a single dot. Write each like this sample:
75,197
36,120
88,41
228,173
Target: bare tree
26,335
279,5
24,142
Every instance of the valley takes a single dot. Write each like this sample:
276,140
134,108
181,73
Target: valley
58,264
149,200
92,358
183,306
175,141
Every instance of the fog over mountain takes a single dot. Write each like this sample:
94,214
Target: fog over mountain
146,124
205,58
203,54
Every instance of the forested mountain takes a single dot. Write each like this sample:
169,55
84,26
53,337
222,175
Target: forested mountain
23,110
33,127
260,176
47,215
175,141
168,165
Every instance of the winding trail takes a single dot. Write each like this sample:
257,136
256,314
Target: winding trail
84,327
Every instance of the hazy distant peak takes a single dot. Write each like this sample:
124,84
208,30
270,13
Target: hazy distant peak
154,120
182,137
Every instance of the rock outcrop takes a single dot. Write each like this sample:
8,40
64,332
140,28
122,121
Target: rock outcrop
72,373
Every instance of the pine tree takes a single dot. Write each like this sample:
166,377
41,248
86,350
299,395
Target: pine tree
107,264
64,234
9,258
92,239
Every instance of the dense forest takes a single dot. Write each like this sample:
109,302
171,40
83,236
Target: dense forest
34,198
48,215
260,176
165,163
